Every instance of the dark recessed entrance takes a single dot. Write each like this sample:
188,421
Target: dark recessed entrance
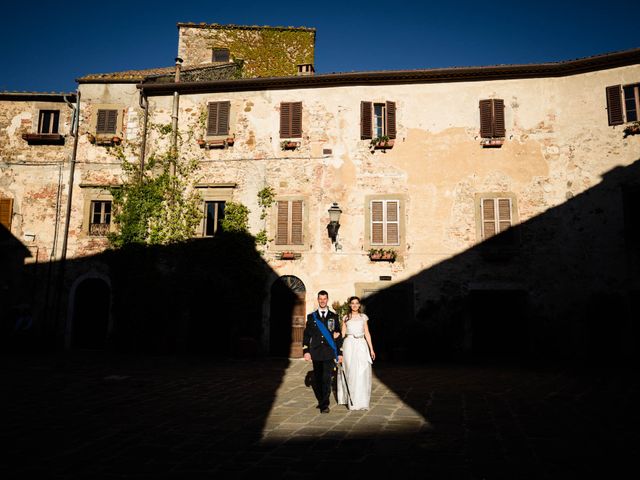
287,317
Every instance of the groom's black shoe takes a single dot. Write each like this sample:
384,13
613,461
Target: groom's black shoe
325,410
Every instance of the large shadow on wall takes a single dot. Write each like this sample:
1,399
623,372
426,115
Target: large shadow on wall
560,286
159,339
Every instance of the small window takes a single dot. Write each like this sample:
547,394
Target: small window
6,212
214,214
218,119
623,103
220,55
290,218
492,118
48,121
100,221
291,120
496,215
377,120
107,122
385,222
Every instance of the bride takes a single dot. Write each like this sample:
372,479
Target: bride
358,355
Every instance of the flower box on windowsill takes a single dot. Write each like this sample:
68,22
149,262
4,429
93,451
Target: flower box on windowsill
289,145
43,138
382,255
492,142
288,255
107,140
382,144
633,129
218,143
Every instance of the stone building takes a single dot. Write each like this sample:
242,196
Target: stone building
483,210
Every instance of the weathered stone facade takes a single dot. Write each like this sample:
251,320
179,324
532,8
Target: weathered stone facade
561,168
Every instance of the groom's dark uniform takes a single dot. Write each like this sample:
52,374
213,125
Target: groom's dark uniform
322,355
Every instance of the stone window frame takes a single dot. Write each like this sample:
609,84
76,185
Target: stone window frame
44,106
212,192
232,119
93,125
94,193
273,225
402,221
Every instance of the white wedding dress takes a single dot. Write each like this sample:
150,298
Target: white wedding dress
357,366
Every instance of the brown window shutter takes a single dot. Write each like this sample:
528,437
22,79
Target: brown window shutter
486,119
212,121
498,118
101,123
366,127
282,229
488,218
504,213
6,212
296,222
107,121
377,222
614,105
285,120
391,119
223,117
296,120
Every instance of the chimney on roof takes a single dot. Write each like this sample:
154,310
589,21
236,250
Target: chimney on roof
305,69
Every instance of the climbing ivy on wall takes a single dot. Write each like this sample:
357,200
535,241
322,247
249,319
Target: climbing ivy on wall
266,52
158,205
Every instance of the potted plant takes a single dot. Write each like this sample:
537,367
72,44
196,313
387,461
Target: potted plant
382,142
633,129
116,140
287,256
202,142
230,141
289,145
382,255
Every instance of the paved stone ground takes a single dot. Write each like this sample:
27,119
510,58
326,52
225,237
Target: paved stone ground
98,416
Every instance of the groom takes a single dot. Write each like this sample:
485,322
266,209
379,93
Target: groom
323,347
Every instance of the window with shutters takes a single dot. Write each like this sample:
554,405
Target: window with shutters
623,103
100,222
291,120
289,223
496,213
107,122
6,212
218,119
214,214
492,121
48,121
220,55
378,122
384,224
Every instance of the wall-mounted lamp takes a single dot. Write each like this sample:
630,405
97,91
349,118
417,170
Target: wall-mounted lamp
334,223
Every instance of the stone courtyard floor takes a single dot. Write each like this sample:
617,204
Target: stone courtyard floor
107,416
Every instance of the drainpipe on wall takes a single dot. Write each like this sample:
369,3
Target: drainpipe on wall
174,118
144,105
65,237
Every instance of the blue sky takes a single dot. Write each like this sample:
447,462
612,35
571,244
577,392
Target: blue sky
50,44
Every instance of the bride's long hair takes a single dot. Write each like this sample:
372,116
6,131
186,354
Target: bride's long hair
351,311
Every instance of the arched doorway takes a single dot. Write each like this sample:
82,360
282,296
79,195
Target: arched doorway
90,321
287,317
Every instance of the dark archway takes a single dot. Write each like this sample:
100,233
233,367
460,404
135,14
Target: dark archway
91,314
287,317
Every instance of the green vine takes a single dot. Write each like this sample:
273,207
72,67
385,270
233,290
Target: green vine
262,238
266,197
157,205
236,218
